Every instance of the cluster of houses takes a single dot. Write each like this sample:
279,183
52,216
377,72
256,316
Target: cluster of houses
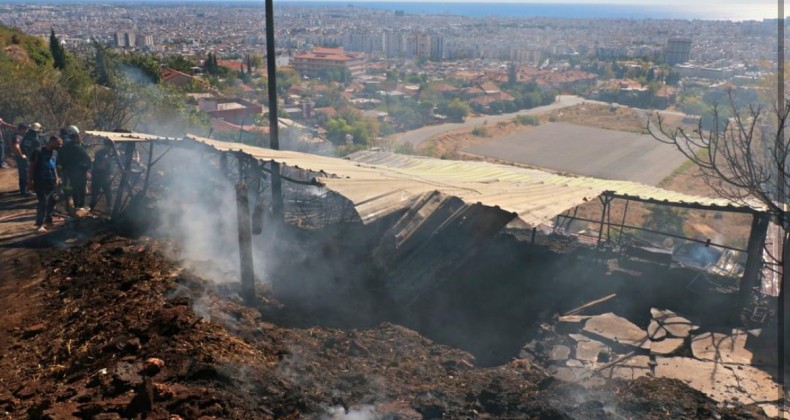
369,87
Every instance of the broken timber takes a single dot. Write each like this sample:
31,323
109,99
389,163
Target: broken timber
578,309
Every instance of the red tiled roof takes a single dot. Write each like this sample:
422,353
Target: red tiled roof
169,75
231,64
334,54
328,111
220,126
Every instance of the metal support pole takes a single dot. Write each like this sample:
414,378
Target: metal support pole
127,166
609,222
247,270
274,139
605,202
622,224
534,231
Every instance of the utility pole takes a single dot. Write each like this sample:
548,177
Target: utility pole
274,140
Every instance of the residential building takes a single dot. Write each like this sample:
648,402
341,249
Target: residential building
312,63
678,51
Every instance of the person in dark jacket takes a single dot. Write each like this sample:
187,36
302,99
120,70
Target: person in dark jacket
43,179
32,139
3,143
21,156
75,163
101,175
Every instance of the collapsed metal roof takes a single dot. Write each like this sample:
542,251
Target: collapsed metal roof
382,183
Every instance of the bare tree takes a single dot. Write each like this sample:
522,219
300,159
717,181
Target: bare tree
742,156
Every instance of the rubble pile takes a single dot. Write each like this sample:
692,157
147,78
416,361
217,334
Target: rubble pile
591,349
127,333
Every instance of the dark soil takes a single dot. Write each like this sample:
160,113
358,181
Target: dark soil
109,304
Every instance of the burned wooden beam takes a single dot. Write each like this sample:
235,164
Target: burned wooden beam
125,168
247,270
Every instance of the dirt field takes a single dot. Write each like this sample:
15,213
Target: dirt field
587,151
449,145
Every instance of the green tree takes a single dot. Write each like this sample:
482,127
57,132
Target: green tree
144,67
456,110
104,71
57,51
336,130
180,63
286,77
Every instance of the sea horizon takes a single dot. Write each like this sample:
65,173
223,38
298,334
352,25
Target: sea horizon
602,10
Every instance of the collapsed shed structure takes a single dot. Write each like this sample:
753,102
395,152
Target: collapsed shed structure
427,197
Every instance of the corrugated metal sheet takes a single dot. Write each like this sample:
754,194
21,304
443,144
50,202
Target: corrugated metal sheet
422,166
381,183
128,137
378,190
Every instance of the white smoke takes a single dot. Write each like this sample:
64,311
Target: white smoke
354,413
198,212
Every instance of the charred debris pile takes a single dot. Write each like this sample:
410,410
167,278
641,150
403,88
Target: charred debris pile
129,333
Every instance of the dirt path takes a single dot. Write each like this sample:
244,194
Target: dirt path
21,272
23,256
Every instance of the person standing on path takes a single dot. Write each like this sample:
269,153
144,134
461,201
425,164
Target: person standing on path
75,162
43,179
32,139
21,155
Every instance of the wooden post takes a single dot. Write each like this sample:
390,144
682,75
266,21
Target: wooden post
245,241
150,163
754,257
127,166
277,193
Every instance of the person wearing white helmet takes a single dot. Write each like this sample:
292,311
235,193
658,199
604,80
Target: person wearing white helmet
75,162
32,139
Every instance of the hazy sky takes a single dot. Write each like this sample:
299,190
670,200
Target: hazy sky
631,2
735,10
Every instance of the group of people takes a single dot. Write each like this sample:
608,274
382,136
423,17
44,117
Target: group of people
59,166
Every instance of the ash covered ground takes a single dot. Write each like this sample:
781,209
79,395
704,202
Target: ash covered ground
108,306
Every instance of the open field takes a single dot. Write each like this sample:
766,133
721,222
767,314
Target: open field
587,151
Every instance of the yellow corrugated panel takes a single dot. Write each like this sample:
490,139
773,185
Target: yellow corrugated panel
380,183
128,137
